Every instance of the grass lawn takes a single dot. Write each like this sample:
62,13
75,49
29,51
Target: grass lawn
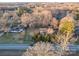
13,38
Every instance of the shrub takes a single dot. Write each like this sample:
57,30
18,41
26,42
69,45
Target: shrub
42,17
42,49
4,22
39,37
66,29
9,20
26,19
29,10
66,25
54,23
43,34
65,33
76,15
20,11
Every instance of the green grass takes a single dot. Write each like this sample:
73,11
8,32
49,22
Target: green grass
27,38
13,38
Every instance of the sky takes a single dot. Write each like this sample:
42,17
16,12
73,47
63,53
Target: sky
39,0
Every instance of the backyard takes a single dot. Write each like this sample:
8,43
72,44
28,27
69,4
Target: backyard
39,29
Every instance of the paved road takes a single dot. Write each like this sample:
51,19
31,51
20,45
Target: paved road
19,49
14,46
11,52
25,46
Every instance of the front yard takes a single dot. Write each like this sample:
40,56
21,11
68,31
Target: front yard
15,38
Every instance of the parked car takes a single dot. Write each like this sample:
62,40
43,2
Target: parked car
1,33
16,29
